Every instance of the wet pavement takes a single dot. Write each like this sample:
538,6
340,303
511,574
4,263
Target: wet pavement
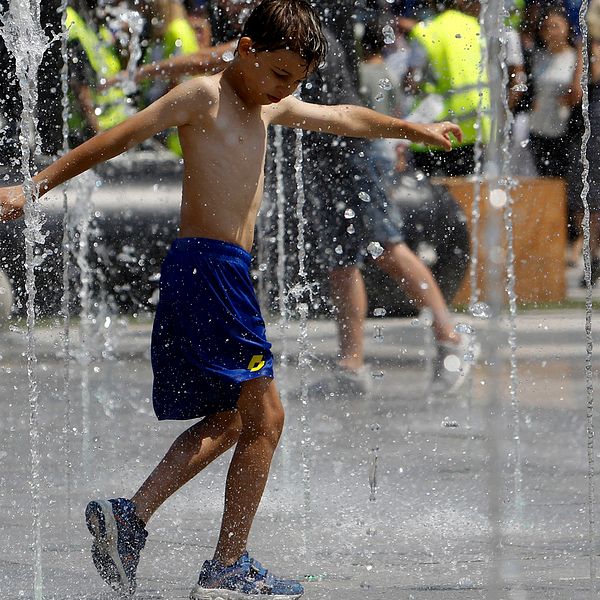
423,532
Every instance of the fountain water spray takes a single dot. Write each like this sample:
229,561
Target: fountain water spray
589,384
66,249
493,17
134,22
25,39
478,156
281,262
300,291
80,230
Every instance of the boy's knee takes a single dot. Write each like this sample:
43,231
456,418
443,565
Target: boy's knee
262,414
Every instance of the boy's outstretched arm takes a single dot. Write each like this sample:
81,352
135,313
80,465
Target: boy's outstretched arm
172,110
357,121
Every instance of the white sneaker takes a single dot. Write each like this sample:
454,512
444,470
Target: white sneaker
356,382
453,363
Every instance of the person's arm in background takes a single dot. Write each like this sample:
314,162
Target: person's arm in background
206,60
576,93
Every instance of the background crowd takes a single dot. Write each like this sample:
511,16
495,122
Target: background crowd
419,59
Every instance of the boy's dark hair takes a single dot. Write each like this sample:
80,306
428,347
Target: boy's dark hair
287,24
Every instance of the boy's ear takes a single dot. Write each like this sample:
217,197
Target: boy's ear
244,47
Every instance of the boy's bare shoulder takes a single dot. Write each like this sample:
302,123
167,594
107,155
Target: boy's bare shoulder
200,93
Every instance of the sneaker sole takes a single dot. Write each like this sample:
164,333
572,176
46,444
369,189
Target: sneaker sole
101,524
200,593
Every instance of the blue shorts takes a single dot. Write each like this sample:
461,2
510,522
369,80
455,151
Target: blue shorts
208,335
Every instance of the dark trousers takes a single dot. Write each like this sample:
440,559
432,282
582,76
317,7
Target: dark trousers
459,162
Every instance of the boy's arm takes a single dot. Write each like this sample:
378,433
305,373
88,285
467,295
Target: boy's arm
172,110
357,121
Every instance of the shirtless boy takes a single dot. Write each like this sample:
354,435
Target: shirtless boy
210,354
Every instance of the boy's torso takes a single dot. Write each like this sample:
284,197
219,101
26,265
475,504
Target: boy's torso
224,156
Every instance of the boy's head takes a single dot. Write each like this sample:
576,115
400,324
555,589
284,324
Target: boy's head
287,25
282,42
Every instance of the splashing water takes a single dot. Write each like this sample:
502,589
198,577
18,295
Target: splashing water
509,185
478,157
135,23
281,258
80,226
492,16
26,41
66,250
389,36
299,292
589,384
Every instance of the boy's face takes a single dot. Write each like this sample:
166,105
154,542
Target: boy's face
270,76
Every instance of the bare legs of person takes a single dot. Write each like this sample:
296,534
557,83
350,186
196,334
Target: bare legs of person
349,297
594,243
255,427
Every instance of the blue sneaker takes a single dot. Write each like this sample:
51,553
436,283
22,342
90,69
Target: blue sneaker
244,578
119,537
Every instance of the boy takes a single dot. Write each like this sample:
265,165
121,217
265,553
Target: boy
210,355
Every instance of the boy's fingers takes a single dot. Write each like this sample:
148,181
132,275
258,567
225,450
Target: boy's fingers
456,131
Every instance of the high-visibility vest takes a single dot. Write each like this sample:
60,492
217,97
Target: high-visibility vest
452,41
180,38
111,104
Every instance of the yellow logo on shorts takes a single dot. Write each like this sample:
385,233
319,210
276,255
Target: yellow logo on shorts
256,363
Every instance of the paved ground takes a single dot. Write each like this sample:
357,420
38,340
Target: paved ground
426,534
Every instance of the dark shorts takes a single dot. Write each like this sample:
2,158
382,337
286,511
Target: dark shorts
356,206
209,336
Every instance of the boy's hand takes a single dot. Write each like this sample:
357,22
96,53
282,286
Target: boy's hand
12,201
438,134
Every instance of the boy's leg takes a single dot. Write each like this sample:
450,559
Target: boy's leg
349,297
118,525
409,271
191,452
262,419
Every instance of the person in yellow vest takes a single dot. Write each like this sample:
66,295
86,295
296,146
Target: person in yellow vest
175,53
456,82
92,60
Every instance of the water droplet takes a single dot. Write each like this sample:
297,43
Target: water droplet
364,196
228,56
520,87
498,198
525,143
379,97
262,267
385,84
463,328
339,249
349,213
447,422
350,229
389,37
452,363
379,312
375,249
481,310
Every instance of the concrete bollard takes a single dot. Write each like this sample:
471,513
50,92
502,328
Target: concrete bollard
6,300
